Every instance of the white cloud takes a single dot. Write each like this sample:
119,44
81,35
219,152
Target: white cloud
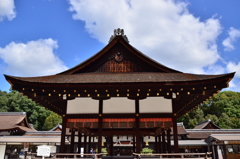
233,35
164,30
215,69
7,9
234,67
34,58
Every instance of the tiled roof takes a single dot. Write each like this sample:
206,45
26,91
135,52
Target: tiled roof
180,129
13,120
204,125
58,127
118,78
204,133
43,133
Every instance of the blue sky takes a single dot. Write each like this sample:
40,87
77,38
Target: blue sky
44,37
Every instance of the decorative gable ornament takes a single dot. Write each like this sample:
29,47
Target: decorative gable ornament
118,32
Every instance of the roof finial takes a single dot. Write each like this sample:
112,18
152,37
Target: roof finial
119,32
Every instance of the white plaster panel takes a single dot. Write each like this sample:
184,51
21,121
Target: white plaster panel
155,105
82,106
2,151
118,105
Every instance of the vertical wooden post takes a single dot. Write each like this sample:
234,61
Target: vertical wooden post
163,141
94,146
89,143
111,145
138,146
160,143
134,143
156,144
175,133
64,126
85,143
169,140
79,140
72,140
224,151
100,126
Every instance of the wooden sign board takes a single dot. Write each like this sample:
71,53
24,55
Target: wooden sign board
43,150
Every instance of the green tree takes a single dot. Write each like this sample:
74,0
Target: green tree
226,101
51,121
16,102
235,123
196,116
224,121
223,109
213,118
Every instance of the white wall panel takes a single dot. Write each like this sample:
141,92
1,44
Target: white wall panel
82,106
155,105
119,105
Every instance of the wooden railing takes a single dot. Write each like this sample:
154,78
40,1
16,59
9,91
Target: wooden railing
68,155
137,155
206,155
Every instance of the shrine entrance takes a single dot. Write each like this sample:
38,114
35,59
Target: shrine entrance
123,128
120,92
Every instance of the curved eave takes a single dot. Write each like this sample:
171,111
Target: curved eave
101,78
189,93
19,128
117,39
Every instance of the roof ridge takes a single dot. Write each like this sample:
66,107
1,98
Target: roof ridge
13,113
208,120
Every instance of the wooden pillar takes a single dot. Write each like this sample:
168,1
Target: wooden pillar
111,145
175,133
160,143
163,141
224,151
72,140
156,144
79,140
100,126
64,126
134,143
174,121
89,143
85,143
169,149
138,146
94,147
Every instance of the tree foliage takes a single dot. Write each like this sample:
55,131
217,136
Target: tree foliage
223,109
51,121
16,102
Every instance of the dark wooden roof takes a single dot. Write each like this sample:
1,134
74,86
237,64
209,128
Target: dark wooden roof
180,129
57,128
207,124
120,70
12,121
138,77
204,133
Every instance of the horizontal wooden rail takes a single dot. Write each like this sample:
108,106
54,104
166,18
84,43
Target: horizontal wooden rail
139,156
69,155
175,155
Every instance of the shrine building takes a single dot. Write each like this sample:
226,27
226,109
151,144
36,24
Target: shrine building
120,91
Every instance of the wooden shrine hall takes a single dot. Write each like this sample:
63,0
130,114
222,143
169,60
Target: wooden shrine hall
120,92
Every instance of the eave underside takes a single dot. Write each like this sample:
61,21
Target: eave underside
186,95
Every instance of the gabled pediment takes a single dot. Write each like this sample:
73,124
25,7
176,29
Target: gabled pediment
119,56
